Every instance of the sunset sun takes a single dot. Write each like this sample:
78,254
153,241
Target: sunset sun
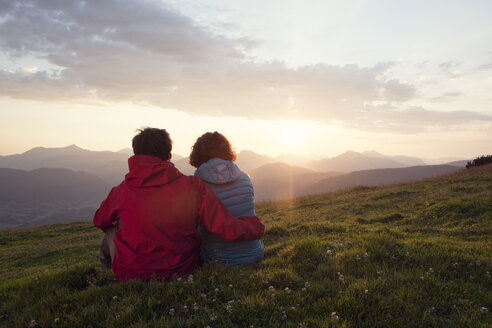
292,135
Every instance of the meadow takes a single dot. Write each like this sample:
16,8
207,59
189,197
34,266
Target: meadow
410,255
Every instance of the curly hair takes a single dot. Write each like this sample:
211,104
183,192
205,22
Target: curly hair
153,142
211,145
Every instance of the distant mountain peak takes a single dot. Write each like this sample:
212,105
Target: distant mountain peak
349,153
34,150
247,151
71,147
372,153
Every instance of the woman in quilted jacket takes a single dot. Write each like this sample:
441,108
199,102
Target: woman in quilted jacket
214,158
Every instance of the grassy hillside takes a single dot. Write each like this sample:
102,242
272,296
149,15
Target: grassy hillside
411,255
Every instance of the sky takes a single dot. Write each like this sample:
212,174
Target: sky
314,77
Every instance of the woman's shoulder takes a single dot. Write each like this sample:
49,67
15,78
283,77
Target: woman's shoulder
219,171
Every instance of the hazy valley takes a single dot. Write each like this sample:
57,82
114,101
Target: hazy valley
53,185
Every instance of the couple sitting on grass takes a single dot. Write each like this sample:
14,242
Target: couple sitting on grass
159,222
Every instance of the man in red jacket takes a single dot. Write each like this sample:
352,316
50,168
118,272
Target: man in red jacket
156,210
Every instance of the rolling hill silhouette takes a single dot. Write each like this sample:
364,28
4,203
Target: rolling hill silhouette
50,184
379,177
353,161
277,170
405,160
47,196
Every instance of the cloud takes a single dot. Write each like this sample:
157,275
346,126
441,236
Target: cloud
453,94
451,69
148,52
485,66
447,96
414,119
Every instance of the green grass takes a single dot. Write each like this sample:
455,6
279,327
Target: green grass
410,255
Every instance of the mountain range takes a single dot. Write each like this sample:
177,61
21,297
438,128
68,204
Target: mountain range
73,181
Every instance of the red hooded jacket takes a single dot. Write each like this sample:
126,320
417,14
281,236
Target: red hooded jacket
159,209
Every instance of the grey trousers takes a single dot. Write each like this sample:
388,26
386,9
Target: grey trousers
106,247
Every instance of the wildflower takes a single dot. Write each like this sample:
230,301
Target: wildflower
33,324
358,258
271,288
203,295
216,290
185,309
430,310
115,297
213,317
171,311
230,285
421,277
195,307
334,316
302,325
306,284
454,307
487,274
273,296
365,254
179,279
287,290
483,309
478,263
190,278
229,308
293,308
471,277
57,320
455,264
303,289
366,291
117,316
329,252
284,316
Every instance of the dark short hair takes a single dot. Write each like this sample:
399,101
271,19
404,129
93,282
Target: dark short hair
153,142
211,145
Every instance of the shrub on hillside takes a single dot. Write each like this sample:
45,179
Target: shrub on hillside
482,160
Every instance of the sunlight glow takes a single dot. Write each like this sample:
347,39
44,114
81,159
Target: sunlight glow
292,135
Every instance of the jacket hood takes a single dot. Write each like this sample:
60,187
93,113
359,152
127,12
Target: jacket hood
149,171
218,171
